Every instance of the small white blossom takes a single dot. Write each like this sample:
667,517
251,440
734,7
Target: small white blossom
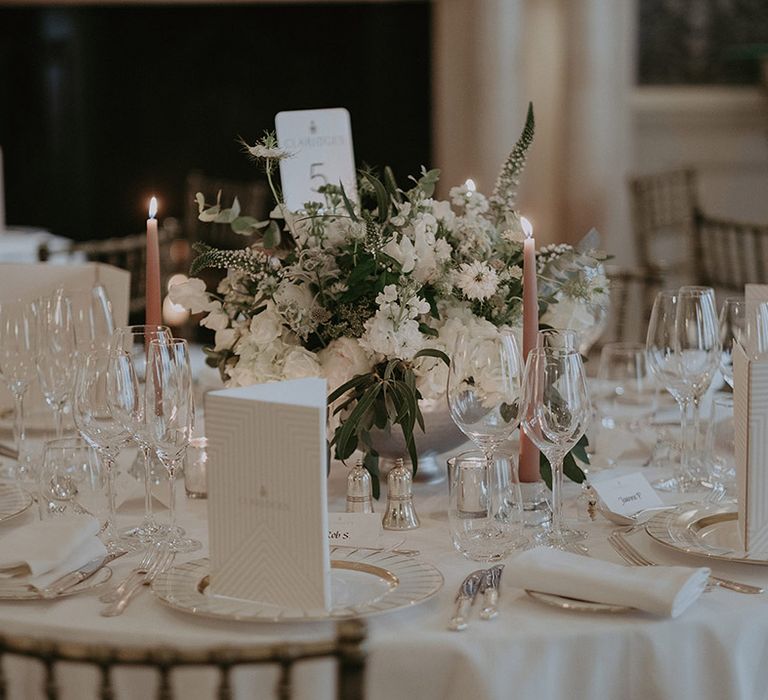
259,150
477,280
192,295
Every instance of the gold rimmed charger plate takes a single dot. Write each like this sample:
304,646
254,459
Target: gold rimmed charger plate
704,530
577,604
364,582
13,501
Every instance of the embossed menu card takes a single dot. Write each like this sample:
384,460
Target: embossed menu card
267,507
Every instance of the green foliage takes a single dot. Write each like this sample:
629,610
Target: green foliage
246,260
505,192
571,468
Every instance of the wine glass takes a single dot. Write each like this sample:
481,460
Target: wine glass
626,396
169,415
55,353
697,340
555,413
129,347
484,389
564,338
94,419
71,479
664,361
92,315
17,368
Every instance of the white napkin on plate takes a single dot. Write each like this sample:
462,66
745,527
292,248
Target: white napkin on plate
661,590
47,549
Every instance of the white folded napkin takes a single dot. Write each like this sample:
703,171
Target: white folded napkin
661,590
47,549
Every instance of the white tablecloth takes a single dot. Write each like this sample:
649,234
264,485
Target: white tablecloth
715,650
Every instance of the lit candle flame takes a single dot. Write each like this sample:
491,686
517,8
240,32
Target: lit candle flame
527,227
153,207
470,185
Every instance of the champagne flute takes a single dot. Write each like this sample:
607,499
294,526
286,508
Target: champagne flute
17,368
55,354
94,419
169,415
555,413
92,316
129,347
697,340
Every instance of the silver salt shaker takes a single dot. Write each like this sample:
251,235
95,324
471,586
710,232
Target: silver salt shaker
401,513
359,498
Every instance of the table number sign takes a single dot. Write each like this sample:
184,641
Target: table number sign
321,143
267,503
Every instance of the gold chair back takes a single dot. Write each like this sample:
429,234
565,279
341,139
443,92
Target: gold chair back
346,648
730,254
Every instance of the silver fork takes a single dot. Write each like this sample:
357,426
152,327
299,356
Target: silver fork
632,556
116,592
163,562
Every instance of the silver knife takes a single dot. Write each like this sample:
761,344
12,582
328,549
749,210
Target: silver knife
464,600
85,572
489,589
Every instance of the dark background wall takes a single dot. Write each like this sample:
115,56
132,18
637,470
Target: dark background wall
102,106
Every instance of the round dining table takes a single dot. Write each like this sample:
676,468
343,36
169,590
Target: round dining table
716,649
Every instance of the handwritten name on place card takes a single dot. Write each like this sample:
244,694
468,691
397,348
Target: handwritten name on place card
357,529
627,495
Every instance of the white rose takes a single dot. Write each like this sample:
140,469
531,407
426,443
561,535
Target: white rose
191,295
403,252
265,327
225,339
342,360
300,363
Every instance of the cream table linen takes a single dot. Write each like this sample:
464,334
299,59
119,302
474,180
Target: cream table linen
715,650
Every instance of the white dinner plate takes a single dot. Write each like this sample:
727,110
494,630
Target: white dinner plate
704,530
364,582
13,501
577,604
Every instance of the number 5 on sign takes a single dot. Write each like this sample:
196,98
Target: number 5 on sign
321,141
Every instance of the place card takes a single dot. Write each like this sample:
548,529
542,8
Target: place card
627,495
321,143
750,420
355,529
267,501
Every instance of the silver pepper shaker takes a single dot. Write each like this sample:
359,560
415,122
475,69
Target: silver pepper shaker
359,499
401,514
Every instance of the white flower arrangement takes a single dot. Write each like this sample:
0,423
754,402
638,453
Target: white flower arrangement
372,295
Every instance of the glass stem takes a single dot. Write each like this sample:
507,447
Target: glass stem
557,493
111,534
145,451
18,422
686,444
58,413
172,499
696,428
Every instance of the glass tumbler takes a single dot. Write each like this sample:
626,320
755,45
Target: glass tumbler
484,505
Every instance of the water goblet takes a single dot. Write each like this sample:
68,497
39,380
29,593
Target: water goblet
169,414
72,480
92,317
555,413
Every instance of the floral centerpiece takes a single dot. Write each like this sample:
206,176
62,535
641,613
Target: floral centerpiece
371,294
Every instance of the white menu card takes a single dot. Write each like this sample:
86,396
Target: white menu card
321,143
267,504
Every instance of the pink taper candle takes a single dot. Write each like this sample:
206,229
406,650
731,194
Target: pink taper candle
154,315
529,454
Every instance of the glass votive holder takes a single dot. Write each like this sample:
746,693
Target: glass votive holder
196,468
485,506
